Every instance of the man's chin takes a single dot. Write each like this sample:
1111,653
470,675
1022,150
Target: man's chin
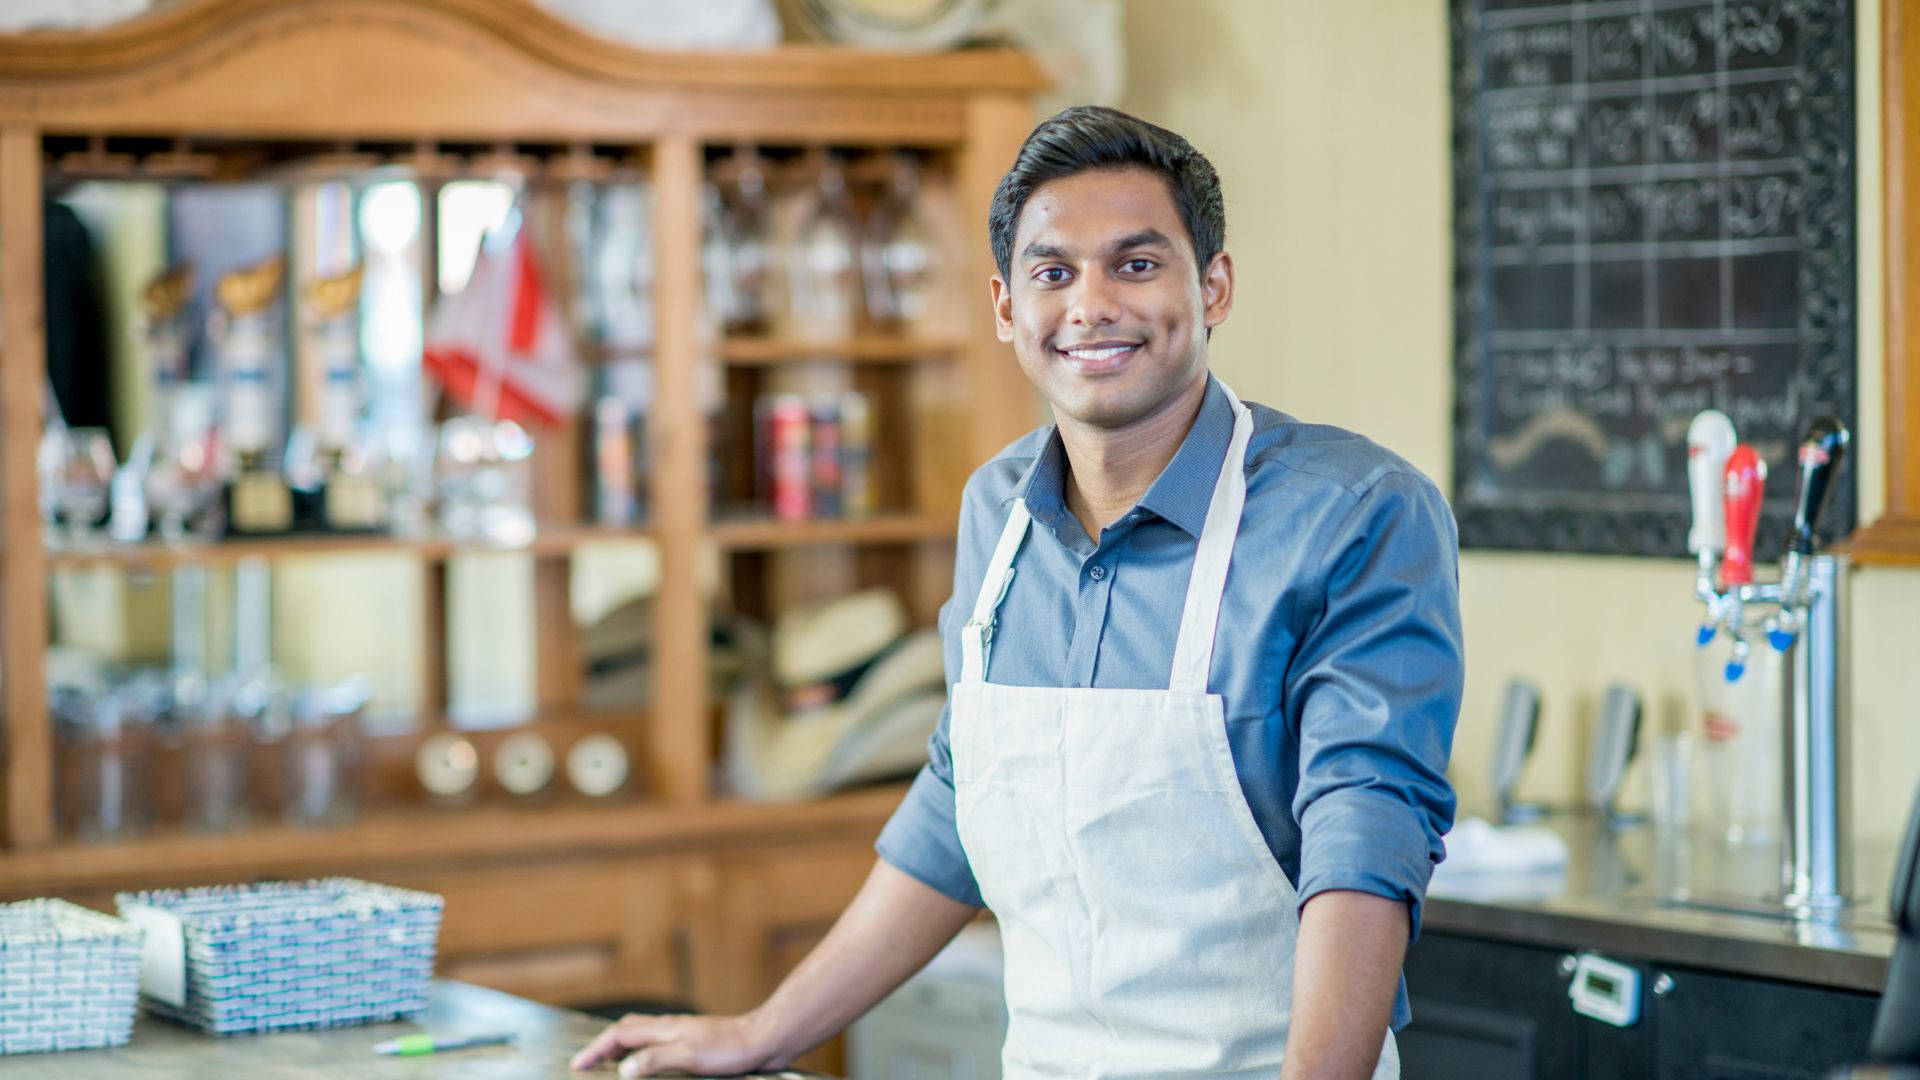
1100,410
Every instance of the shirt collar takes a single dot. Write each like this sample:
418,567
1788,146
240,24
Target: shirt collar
1180,494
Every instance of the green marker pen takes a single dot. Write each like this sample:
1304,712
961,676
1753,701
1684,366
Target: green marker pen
410,1045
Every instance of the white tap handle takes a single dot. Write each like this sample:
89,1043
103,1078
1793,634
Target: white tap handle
1710,441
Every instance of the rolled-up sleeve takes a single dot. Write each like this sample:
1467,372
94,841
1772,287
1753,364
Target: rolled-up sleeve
1374,693
922,839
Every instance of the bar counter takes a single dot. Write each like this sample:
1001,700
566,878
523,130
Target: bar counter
545,1037
1679,898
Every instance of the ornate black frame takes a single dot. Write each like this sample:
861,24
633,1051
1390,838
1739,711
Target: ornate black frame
1827,318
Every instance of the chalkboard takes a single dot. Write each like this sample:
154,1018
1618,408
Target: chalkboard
1653,214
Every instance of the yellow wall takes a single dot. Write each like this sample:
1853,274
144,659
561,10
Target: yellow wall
1329,125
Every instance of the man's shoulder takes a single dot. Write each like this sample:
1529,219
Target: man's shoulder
1345,462
992,484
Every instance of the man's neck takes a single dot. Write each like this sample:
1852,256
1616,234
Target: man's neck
1108,469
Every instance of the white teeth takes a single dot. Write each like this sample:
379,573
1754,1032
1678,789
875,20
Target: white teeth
1107,353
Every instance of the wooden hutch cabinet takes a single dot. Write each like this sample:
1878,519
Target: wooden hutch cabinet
675,891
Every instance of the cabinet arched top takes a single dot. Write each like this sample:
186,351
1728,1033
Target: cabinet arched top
478,69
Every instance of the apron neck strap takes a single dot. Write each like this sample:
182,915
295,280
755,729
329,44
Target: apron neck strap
976,638
1200,616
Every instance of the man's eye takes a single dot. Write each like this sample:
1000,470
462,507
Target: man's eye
1052,275
1138,266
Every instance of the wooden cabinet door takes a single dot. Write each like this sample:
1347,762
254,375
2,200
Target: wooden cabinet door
762,912
571,933
1727,1027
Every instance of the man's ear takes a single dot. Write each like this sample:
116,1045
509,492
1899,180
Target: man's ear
1216,289
1002,308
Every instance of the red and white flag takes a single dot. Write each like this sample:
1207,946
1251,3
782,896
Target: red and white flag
499,345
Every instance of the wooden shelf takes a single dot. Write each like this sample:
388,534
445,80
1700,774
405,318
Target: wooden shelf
159,555
766,533
865,349
414,838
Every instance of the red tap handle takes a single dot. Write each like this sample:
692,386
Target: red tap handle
1746,479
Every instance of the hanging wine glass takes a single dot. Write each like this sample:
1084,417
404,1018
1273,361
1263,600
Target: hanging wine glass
823,274
899,253
745,222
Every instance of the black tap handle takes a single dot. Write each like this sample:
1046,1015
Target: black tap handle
1819,457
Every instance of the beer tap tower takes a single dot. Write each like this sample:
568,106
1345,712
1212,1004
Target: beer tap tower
1801,616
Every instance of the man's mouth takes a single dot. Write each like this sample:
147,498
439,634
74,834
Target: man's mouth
1096,356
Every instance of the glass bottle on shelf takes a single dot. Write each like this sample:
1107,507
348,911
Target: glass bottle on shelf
823,281
348,498
257,497
165,333
899,252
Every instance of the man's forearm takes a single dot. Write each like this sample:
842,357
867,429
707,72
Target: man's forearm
890,930
1346,970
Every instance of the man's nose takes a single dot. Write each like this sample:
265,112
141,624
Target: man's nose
1094,301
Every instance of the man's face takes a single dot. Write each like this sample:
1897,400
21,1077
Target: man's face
1103,304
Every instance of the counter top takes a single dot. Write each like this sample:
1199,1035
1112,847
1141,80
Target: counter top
546,1038
1676,898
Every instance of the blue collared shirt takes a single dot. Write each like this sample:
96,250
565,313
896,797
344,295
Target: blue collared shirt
1338,652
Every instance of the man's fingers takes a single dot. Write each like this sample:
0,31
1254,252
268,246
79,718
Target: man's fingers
665,1057
628,1033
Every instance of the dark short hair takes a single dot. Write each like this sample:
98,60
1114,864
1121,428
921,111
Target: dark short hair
1087,137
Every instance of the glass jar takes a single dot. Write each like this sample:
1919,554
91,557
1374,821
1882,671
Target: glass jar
105,740
216,746
321,754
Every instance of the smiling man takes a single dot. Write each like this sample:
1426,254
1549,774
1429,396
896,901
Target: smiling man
1205,665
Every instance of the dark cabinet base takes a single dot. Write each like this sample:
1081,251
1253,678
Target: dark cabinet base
1493,1010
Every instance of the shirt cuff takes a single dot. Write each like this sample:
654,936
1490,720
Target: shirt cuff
922,840
1367,841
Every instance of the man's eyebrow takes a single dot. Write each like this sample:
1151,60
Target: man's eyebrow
1143,238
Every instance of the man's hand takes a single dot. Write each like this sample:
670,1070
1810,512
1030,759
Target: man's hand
892,928
709,1045
1346,969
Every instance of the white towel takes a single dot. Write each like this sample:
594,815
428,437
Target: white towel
1511,862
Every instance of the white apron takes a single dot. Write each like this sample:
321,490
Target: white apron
1148,930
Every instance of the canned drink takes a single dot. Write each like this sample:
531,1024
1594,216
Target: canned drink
615,490
789,472
856,452
824,428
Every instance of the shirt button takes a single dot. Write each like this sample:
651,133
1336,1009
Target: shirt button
1097,572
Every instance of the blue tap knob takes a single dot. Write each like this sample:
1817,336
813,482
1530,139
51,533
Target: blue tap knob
1781,640
1705,634
1735,669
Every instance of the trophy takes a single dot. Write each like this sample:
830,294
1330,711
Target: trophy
257,497
349,498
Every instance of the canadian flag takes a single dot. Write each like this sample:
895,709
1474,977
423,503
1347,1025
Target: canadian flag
498,345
